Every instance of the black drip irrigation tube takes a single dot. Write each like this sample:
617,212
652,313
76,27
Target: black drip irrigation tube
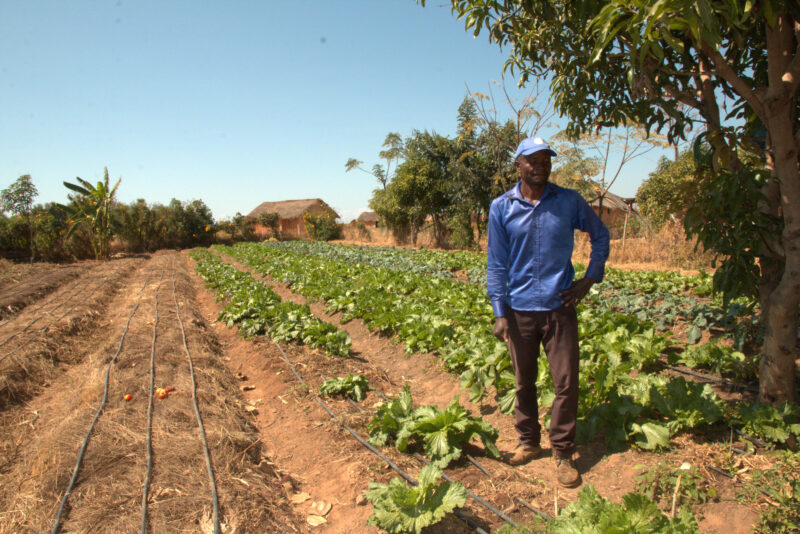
103,401
149,440
43,304
209,465
712,378
733,477
44,329
372,449
38,317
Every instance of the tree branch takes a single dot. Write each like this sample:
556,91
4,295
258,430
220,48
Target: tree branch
726,72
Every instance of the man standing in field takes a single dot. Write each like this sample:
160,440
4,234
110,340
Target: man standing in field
533,294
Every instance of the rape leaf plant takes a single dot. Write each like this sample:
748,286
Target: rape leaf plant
775,424
353,386
444,432
592,514
390,418
398,508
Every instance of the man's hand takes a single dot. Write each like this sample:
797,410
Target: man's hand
501,329
575,293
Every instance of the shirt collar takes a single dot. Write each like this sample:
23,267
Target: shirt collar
549,189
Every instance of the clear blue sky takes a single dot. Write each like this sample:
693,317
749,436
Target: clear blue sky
234,103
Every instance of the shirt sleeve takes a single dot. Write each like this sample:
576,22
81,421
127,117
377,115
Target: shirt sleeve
497,260
589,222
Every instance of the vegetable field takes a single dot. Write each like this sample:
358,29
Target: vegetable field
296,386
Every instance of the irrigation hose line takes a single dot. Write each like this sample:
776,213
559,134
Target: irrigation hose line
97,414
712,378
375,451
369,447
44,329
209,465
149,440
43,304
38,317
472,460
733,477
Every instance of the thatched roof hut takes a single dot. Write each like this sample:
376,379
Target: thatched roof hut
290,214
369,218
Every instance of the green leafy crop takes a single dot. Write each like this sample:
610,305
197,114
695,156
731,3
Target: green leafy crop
398,508
442,433
390,418
592,514
353,386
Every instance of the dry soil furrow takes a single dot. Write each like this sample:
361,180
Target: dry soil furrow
108,493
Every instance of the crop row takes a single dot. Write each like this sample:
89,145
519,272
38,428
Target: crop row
257,309
454,320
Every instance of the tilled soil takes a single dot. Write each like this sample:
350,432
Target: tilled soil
136,451
273,449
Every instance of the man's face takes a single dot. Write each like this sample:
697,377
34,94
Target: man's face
534,168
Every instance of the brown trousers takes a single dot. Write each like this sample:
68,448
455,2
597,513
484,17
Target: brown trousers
557,330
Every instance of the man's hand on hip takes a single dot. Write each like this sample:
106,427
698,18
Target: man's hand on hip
576,292
501,329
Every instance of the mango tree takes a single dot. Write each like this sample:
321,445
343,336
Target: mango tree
736,65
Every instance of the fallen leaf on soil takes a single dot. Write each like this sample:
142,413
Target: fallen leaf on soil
297,498
315,520
248,387
320,508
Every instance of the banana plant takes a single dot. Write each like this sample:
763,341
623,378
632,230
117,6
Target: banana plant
91,208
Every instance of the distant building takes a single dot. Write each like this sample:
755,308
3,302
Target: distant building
614,208
290,215
369,218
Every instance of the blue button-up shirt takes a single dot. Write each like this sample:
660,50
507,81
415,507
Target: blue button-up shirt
530,248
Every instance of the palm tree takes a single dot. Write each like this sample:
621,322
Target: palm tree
91,207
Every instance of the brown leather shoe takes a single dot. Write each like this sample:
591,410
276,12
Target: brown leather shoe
523,454
567,473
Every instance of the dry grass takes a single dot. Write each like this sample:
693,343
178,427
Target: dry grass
667,249
40,448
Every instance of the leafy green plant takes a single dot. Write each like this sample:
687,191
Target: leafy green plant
353,386
592,514
390,418
445,432
775,424
717,358
686,404
659,482
92,207
321,226
398,508
442,433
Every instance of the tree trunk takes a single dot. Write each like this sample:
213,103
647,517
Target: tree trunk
779,305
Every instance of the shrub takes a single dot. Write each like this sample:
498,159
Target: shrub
321,226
